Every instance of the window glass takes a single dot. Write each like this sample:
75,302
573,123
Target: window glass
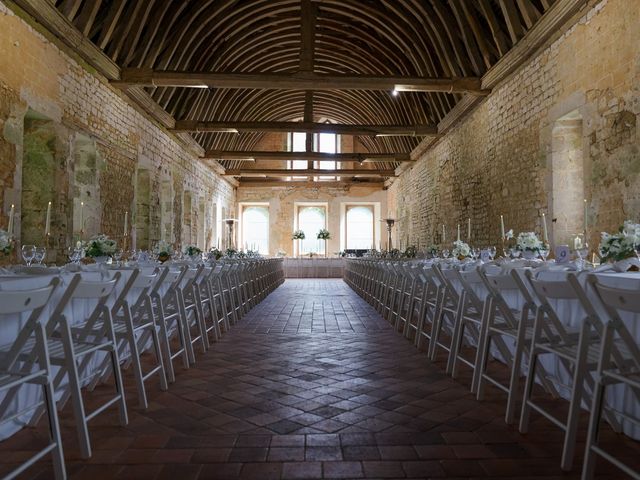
311,220
360,227
255,228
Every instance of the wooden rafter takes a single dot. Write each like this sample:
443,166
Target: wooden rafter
274,172
311,184
310,156
295,81
308,127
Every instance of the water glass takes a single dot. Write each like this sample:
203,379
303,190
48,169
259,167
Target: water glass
28,252
40,255
492,252
445,253
117,256
544,253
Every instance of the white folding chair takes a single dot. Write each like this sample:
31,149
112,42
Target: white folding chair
576,351
26,361
447,312
618,364
516,324
429,304
74,346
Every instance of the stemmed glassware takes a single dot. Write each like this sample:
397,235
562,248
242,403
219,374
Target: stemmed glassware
445,253
28,252
544,252
492,252
117,256
40,254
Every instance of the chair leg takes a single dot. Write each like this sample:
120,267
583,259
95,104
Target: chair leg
59,468
589,463
528,387
158,352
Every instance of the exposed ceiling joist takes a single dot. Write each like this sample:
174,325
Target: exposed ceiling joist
308,127
250,155
296,81
309,184
274,172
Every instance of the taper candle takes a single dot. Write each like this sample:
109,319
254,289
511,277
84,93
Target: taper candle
11,216
444,234
468,229
544,228
126,223
502,226
586,214
458,232
47,222
81,216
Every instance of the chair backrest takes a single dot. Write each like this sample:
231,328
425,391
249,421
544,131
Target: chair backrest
471,282
616,300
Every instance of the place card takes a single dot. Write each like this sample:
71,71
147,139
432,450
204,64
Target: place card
562,253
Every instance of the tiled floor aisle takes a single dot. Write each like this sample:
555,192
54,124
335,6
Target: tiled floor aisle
314,384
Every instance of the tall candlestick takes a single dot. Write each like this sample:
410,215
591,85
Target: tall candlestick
81,217
126,223
47,222
544,229
502,226
11,216
468,229
586,214
458,232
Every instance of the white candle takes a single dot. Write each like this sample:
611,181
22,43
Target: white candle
502,226
586,214
544,228
11,215
444,234
458,232
126,223
577,243
468,229
47,222
81,216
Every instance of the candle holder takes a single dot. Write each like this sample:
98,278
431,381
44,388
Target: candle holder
230,237
390,223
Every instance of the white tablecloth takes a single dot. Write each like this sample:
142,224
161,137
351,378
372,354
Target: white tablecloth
313,267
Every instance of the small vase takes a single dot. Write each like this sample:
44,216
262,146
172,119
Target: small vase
101,259
163,258
529,255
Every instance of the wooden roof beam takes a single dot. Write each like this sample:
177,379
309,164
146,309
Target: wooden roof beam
311,184
275,172
307,127
310,156
296,81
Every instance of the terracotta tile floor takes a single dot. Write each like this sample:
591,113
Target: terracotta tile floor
314,384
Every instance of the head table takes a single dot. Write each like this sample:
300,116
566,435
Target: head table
570,312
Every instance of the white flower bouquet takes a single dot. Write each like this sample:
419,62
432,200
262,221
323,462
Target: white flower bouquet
528,242
298,235
164,250
461,250
323,234
281,253
101,246
5,242
192,250
622,245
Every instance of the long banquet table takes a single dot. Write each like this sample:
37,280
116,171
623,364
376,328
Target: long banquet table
317,267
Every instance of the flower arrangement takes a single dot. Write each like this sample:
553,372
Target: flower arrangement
231,253
410,252
192,250
432,250
528,242
281,253
461,250
6,246
622,245
100,246
215,254
298,235
164,250
508,235
323,234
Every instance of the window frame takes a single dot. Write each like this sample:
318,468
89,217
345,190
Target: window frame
372,208
300,206
241,234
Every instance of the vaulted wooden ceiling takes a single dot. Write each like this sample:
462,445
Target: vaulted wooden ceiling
383,38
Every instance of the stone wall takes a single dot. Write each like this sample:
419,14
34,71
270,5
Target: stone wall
56,113
502,158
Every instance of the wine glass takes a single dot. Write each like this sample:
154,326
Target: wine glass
492,252
445,253
40,254
28,252
544,252
117,256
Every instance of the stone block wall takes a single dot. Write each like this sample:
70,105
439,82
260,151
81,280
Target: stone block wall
136,163
500,159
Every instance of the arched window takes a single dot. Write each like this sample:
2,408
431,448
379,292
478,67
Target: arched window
360,227
311,219
255,228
